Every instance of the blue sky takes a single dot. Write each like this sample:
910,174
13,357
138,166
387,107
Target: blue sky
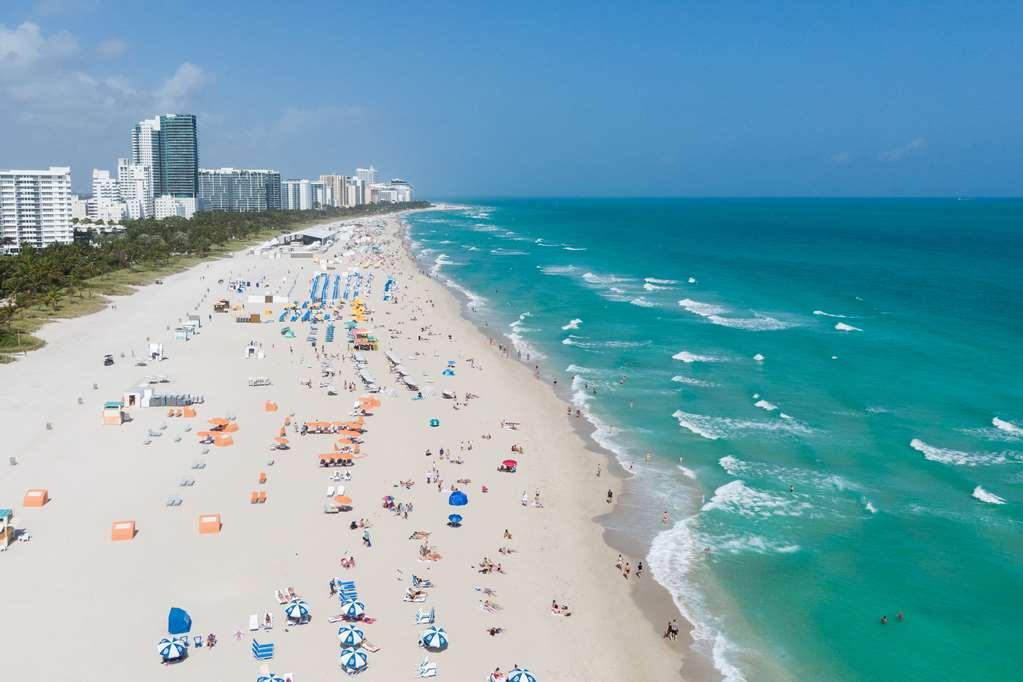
471,99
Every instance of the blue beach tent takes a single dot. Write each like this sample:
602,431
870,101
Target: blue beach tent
458,499
178,621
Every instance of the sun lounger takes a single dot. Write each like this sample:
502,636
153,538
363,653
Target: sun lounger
330,491
413,600
198,464
253,622
262,496
421,582
186,482
174,501
426,668
282,598
426,617
198,641
369,646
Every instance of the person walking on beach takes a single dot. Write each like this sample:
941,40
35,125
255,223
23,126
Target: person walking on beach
365,538
639,569
610,496
525,499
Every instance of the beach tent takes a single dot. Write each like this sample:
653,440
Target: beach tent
458,499
521,675
171,649
434,638
178,621
454,520
353,660
350,635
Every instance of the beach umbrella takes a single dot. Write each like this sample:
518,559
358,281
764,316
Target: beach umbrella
350,636
455,519
434,638
178,621
171,649
458,499
343,500
282,440
353,660
270,677
510,463
521,675
353,610
297,609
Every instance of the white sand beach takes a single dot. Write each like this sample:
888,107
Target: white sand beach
81,606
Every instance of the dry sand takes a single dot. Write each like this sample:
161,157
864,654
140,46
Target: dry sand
79,606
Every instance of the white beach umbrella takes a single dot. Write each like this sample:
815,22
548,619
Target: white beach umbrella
521,675
270,677
171,649
434,638
349,635
353,660
297,609
353,610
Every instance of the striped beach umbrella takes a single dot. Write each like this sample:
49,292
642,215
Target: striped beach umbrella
434,638
297,609
521,675
353,660
171,649
270,677
349,635
353,610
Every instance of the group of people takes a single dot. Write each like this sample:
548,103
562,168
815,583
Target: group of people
625,568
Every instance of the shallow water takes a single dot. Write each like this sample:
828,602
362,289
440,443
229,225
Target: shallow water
842,382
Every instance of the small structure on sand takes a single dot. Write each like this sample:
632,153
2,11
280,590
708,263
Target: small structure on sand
6,529
113,413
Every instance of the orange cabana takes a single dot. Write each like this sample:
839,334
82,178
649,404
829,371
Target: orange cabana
223,441
122,530
188,412
36,497
270,406
209,523
343,501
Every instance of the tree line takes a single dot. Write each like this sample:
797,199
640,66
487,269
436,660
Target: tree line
35,276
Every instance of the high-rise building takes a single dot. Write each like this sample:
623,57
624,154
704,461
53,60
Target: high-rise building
133,187
336,185
167,147
320,193
238,190
179,156
367,175
35,208
296,195
104,186
169,206
355,192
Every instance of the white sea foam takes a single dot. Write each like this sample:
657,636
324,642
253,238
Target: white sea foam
569,340
869,506
741,544
603,279
843,327
799,478
686,471
654,280
473,300
689,358
692,280
577,369
987,496
690,381
572,324
821,313
1007,427
714,428
702,309
575,248
469,247
507,252
959,457
647,286
670,560
765,405
541,242
736,497
440,262
557,269
642,302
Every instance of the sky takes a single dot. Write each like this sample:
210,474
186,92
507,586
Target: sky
535,99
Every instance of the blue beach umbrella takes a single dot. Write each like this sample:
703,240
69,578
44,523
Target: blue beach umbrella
297,609
270,677
171,649
178,621
352,660
521,675
434,638
349,635
455,519
353,610
458,499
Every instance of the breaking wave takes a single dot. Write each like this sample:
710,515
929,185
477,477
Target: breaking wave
987,496
960,457
714,428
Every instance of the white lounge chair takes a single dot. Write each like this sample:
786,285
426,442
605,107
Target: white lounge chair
330,491
253,622
426,617
426,668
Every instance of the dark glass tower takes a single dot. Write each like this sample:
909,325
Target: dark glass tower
179,156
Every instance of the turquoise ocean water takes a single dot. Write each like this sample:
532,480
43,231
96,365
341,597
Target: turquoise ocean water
832,393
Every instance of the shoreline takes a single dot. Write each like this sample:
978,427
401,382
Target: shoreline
652,598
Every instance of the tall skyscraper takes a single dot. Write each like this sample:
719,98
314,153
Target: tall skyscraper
236,190
134,189
179,156
296,195
35,208
145,152
336,185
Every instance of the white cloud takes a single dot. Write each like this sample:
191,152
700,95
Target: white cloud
902,151
111,48
26,46
176,89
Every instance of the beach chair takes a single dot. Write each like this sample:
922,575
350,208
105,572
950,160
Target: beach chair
262,496
330,491
254,497
253,622
408,597
262,652
197,641
282,598
422,583
426,668
426,617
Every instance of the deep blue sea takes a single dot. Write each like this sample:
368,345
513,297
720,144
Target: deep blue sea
831,393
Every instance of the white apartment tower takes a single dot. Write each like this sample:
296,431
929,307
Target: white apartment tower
104,186
367,175
134,190
35,208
